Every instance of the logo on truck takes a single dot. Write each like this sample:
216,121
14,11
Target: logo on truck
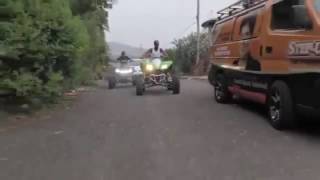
304,49
222,51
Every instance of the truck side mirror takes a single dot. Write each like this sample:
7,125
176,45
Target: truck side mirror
301,17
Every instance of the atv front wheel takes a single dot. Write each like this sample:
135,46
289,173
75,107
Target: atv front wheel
175,86
139,87
112,82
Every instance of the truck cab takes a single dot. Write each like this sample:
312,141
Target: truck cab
268,51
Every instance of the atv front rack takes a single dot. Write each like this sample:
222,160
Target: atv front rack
157,80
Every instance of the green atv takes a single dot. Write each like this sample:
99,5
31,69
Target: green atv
157,72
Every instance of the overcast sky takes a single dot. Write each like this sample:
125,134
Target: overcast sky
139,22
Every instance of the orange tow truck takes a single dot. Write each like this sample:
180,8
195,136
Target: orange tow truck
268,51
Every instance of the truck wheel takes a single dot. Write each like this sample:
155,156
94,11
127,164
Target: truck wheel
280,106
175,86
221,93
139,87
112,82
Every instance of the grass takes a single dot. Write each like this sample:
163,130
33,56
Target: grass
13,107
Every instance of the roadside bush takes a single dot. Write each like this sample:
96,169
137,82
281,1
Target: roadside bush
185,51
46,48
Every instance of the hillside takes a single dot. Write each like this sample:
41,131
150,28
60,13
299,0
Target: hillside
116,49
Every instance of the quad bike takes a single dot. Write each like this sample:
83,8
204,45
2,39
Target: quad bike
124,73
157,72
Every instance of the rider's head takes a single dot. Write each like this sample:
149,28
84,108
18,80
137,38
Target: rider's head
156,44
123,53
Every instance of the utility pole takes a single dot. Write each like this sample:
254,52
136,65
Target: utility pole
198,32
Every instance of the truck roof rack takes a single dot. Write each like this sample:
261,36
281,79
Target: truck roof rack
238,7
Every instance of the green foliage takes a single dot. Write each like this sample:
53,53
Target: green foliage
53,87
24,83
171,54
185,51
47,46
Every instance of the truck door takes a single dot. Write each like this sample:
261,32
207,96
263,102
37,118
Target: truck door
289,23
246,35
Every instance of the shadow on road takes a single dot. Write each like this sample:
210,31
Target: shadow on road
124,86
13,106
158,91
306,126
118,86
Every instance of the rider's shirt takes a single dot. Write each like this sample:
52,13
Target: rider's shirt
156,53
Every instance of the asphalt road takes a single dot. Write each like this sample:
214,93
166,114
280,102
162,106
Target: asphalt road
115,135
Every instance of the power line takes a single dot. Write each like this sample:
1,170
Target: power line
186,29
182,32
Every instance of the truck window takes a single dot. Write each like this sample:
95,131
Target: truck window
290,15
222,33
247,26
215,33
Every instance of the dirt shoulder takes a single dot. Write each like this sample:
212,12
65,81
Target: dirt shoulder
14,116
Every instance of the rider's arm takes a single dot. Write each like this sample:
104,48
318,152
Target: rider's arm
127,58
147,54
164,53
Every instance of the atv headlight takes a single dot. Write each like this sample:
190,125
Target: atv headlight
164,67
124,71
149,67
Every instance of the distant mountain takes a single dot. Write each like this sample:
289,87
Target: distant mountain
116,49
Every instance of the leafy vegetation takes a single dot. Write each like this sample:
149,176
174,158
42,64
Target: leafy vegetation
47,46
185,49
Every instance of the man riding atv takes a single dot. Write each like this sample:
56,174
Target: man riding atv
124,72
155,52
157,72
123,58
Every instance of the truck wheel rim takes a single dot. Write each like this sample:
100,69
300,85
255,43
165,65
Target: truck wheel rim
218,91
275,106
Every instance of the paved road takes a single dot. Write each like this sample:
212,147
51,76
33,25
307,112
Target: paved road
114,135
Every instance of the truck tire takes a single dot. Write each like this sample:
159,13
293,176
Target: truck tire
281,106
221,93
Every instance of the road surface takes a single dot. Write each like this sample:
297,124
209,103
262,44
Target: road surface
114,135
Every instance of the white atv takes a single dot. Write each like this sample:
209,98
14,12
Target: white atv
124,72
